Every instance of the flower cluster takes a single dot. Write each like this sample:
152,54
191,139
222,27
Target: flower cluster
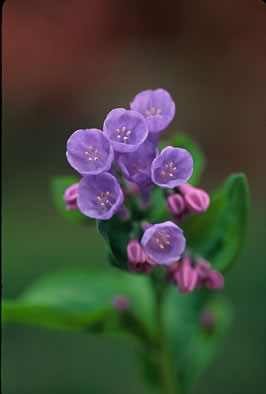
123,160
189,275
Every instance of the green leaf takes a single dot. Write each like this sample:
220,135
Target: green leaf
193,346
58,186
116,234
218,233
83,301
185,142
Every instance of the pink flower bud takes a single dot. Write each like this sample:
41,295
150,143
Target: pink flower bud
186,276
196,200
214,280
175,205
121,303
70,197
135,253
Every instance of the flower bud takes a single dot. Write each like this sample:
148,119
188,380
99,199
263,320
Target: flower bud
196,200
176,205
70,197
214,280
135,253
186,276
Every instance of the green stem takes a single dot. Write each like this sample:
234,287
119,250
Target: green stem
169,381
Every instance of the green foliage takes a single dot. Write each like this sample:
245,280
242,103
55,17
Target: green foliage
218,233
116,234
82,300
192,346
58,186
183,141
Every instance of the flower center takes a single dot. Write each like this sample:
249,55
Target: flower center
104,200
123,134
139,167
93,154
168,170
161,239
153,111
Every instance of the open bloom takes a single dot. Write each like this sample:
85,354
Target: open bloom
89,152
156,106
196,200
125,129
172,167
164,242
70,197
136,166
100,196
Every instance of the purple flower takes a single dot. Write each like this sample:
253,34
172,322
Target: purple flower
164,243
70,197
100,196
125,129
157,106
196,200
136,166
89,152
172,167
121,303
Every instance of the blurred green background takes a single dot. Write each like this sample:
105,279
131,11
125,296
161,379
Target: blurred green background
65,66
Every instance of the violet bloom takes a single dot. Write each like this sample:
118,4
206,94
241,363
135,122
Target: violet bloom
164,243
125,129
186,276
100,196
157,106
172,167
89,152
70,197
121,303
136,166
196,200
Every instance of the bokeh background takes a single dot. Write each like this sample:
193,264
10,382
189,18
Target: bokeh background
66,64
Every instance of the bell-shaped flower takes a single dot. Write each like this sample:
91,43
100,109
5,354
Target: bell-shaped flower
136,166
89,152
173,167
157,106
125,129
164,242
100,196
